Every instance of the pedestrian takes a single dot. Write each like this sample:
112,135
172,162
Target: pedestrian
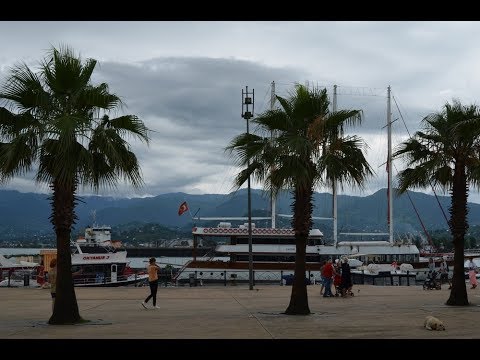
322,280
152,269
41,274
52,279
444,273
431,265
472,273
337,278
328,273
346,282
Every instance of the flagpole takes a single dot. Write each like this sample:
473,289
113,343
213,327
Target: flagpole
188,208
193,217
194,250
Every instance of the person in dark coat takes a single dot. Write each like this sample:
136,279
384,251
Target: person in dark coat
346,283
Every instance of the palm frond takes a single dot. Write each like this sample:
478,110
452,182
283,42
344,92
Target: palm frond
128,125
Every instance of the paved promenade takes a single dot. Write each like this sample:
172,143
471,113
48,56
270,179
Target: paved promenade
235,312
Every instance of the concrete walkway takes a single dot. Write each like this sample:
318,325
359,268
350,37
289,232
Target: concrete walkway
235,312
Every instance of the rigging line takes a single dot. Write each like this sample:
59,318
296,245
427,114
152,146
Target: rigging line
263,101
431,185
362,87
360,91
345,94
418,215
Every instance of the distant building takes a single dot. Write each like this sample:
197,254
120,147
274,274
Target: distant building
185,243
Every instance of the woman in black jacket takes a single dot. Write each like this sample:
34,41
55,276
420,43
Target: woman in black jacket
346,284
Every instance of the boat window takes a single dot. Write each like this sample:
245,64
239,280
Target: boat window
98,268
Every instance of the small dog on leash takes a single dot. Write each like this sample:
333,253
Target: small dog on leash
432,323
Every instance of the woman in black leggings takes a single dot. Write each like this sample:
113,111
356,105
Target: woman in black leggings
153,283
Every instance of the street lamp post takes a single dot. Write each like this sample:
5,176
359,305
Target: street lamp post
248,99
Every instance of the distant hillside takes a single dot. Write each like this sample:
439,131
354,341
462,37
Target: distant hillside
27,214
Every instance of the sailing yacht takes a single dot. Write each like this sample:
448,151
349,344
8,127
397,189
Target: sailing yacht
273,250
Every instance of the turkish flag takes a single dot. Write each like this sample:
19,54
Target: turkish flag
183,207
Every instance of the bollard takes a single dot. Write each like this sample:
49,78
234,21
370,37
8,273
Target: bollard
408,278
26,280
281,277
363,277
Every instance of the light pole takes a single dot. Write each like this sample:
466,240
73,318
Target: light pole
248,99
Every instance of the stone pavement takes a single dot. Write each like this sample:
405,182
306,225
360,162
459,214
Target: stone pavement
235,312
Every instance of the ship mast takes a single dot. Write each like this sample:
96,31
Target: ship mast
389,168
334,185
272,197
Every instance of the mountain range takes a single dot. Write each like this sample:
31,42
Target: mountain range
25,214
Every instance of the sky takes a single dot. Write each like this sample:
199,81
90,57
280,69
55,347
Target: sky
184,79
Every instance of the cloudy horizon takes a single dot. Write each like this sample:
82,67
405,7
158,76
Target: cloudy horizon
185,79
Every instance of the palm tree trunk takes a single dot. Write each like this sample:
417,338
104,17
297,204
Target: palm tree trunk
301,223
66,308
458,226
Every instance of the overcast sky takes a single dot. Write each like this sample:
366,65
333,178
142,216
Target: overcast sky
185,80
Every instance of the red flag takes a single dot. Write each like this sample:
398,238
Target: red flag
183,207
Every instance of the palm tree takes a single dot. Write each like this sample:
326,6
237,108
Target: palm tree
309,149
446,154
56,124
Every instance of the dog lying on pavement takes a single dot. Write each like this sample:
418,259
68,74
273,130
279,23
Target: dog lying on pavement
432,323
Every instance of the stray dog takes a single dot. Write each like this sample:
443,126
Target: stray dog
432,323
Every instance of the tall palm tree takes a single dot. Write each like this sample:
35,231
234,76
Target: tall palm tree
309,149
55,123
446,153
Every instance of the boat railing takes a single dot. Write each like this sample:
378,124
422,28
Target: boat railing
100,279
208,256
471,251
201,277
175,277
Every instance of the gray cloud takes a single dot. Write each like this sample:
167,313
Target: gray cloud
184,79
